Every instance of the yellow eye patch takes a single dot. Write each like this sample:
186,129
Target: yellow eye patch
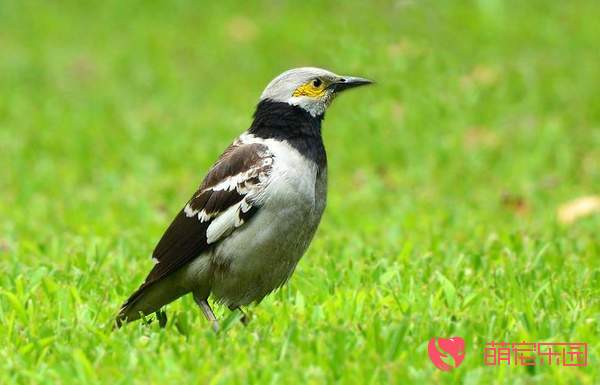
314,89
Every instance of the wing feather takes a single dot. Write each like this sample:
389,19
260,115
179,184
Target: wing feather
225,200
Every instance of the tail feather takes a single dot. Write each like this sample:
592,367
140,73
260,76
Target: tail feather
149,298
125,313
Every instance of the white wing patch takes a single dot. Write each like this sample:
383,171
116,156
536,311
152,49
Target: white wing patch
243,191
202,215
224,223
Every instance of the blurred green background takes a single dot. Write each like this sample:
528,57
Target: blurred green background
447,181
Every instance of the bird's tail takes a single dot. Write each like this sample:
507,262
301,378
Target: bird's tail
127,312
149,298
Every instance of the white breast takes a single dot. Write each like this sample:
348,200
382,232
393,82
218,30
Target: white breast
293,177
262,254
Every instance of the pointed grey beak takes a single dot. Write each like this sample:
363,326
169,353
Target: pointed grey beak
346,82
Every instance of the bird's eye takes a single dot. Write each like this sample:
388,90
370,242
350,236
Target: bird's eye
317,83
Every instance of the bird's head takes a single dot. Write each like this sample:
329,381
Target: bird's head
312,89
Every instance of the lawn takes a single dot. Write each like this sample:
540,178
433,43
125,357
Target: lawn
444,184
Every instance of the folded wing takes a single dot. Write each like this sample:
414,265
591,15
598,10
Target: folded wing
227,198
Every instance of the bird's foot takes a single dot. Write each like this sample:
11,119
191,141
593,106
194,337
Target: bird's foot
215,326
161,316
245,318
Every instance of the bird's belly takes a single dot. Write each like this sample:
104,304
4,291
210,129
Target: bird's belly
260,257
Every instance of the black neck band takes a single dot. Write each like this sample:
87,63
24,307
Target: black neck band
281,121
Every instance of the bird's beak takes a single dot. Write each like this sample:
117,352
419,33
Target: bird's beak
346,82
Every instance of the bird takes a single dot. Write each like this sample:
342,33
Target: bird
242,233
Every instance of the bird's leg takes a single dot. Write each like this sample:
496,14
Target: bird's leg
208,312
245,320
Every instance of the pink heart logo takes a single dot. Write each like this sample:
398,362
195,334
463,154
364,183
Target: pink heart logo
446,354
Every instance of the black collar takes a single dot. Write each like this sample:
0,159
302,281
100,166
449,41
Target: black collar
282,121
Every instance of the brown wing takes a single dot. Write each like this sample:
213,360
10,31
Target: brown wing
235,179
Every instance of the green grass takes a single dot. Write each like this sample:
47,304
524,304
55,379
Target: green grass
444,184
